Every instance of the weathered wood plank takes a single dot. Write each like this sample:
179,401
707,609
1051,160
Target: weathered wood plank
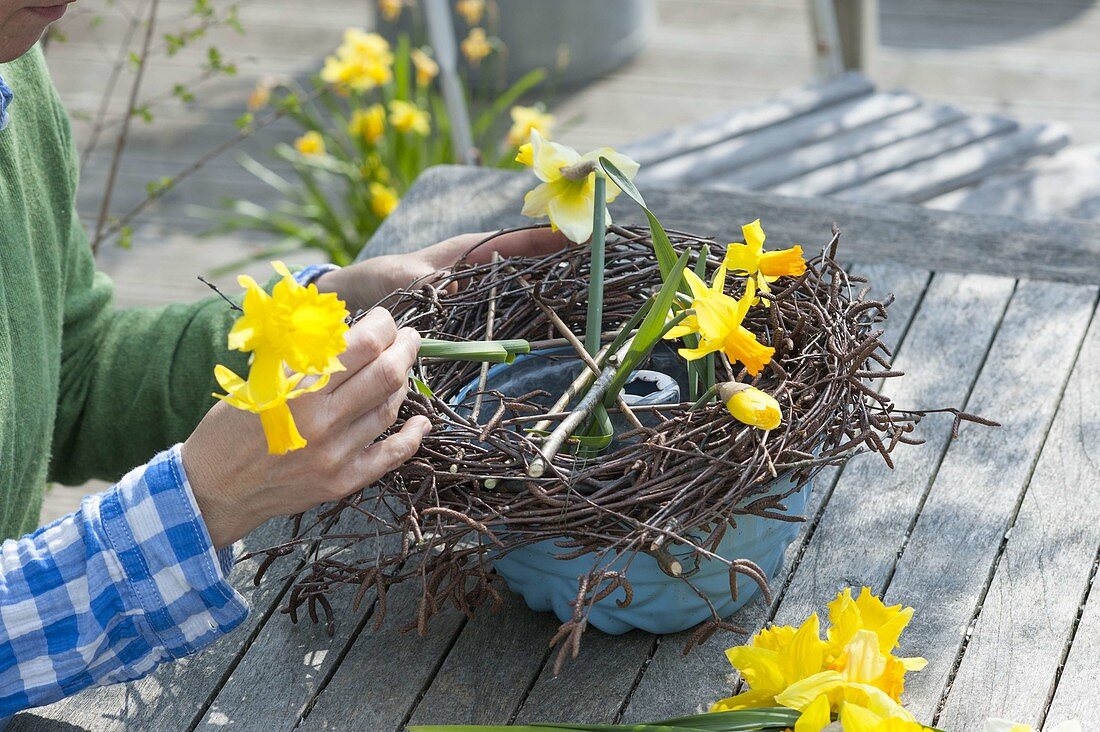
1076,694
879,232
955,542
178,691
278,675
781,168
865,520
385,671
592,688
740,120
864,169
961,167
468,690
1066,184
1030,611
703,165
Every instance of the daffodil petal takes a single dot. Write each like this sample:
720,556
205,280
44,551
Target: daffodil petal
815,717
740,259
754,236
857,719
698,288
537,201
744,700
570,209
281,432
799,694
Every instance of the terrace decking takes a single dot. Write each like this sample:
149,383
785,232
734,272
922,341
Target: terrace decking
993,537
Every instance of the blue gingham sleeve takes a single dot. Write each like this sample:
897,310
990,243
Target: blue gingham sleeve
107,593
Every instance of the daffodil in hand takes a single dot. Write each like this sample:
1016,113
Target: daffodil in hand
718,319
292,333
567,193
750,259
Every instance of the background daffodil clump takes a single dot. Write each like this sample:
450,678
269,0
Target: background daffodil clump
370,122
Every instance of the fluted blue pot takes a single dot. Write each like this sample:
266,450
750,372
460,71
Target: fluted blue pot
661,603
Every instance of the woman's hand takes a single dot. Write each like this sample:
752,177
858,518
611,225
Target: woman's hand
238,485
364,284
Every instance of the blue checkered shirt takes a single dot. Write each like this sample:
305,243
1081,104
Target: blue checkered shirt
107,593
6,97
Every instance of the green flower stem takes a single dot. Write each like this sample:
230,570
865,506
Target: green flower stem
594,323
484,351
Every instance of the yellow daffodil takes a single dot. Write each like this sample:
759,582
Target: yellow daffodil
391,9
375,169
567,193
717,320
751,260
311,144
426,67
368,124
261,94
848,617
361,63
750,405
407,117
526,119
296,328
795,668
470,10
359,43
383,199
525,155
476,46
783,666
1003,725
854,718
299,325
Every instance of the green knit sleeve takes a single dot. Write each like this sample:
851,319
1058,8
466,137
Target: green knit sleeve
133,381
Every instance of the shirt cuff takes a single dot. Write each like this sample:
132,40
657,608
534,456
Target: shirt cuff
309,275
172,571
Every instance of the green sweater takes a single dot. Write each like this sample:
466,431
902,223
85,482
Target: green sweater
86,390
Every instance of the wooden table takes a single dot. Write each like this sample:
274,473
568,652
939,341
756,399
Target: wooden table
993,537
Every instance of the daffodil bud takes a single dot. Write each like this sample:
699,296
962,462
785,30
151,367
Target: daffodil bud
750,405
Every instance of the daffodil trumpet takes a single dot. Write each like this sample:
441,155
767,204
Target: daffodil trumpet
501,351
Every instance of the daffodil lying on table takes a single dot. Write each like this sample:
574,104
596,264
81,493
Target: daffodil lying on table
849,681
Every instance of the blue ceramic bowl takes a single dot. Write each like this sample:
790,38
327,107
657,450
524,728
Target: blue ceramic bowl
661,603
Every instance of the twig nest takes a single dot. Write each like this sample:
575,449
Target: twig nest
682,477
